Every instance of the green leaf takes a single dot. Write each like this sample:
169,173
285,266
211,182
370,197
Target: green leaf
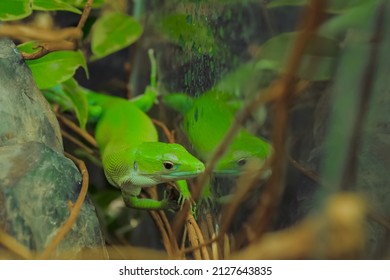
248,78
56,95
79,100
54,5
356,18
54,67
114,32
81,3
317,62
280,3
14,9
333,6
337,6
18,9
70,97
189,33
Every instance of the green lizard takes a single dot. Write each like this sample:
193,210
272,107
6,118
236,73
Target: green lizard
206,120
131,154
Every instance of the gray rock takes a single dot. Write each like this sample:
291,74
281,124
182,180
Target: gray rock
36,180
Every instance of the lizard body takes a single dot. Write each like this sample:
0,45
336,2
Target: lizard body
131,154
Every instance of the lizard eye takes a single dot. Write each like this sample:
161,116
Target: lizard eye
241,162
168,165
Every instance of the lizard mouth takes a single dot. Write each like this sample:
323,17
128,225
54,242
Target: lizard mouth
180,175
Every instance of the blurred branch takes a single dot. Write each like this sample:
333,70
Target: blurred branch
337,232
167,132
85,14
270,198
25,33
251,175
15,246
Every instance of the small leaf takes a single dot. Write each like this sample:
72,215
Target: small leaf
54,5
356,18
79,100
54,67
316,63
337,6
70,97
333,6
189,33
81,3
248,78
114,32
14,9
279,3
56,95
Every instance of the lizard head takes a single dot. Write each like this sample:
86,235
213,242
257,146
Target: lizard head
245,147
160,162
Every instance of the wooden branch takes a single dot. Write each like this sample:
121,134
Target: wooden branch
306,171
198,235
15,246
168,134
337,232
50,40
28,33
88,137
85,14
78,143
46,48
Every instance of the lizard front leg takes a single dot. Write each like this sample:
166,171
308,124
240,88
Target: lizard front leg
133,201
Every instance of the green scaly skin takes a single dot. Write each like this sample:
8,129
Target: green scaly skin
206,121
131,154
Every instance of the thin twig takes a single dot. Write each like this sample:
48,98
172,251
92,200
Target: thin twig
274,187
199,235
46,48
89,138
85,14
306,171
77,142
250,176
194,241
15,246
167,132
74,211
163,226
164,235
210,228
